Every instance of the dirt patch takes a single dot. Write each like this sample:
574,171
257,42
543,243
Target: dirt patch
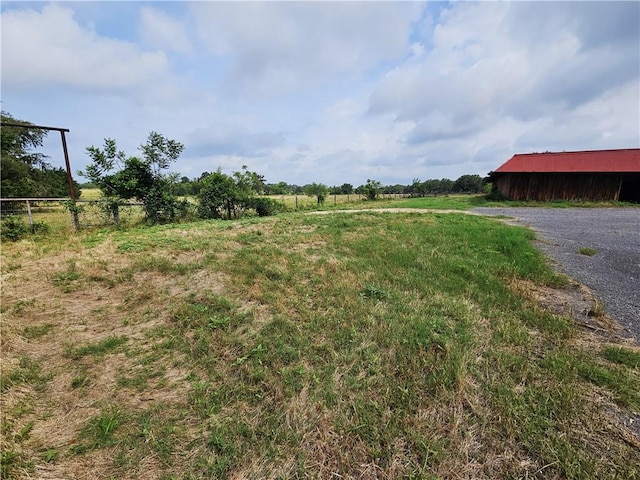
575,301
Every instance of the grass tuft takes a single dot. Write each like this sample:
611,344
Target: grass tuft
98,349
623,356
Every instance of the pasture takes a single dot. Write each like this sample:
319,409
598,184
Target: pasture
368,345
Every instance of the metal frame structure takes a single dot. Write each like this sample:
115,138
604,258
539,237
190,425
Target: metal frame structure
72,193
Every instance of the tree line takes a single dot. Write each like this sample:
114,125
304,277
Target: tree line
144,177
418,188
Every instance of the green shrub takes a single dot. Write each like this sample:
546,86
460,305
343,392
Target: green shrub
266,207
13,228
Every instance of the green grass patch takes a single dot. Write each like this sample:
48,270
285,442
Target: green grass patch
622,384
98,349
36,331
623,356
100,431
442,202
587,251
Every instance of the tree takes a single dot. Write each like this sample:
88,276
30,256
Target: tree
395,189
318,190
415,189
228,196
280,188
26,172
446,185
250,182
469,183
346,189
432,186
371,189
122,178
184,187
218,196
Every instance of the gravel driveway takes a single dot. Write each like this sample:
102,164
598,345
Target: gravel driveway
613,272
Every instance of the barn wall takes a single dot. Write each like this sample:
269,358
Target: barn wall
630,190
559,186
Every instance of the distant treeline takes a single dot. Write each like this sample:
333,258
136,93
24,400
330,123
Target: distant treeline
464,184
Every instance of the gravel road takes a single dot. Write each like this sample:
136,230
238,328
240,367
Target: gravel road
613,272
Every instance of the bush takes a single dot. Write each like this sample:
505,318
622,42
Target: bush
14,228
266,207
161,206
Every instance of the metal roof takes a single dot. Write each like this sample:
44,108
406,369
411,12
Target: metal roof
595,161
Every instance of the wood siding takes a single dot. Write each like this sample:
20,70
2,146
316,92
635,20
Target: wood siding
559,186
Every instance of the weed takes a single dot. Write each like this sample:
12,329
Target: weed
21,306
50,455
7,461
80,380
99,431
36,331
67,279
374,293
139,380
587,251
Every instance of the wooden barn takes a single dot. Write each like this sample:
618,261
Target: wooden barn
591,175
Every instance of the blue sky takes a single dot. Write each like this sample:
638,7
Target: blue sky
330,92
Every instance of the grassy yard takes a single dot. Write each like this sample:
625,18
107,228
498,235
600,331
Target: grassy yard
353,346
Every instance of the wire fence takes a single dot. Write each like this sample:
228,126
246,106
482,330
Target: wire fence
54,212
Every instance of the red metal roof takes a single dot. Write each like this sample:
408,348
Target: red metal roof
609,161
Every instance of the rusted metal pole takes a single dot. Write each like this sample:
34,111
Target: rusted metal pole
29,125
72,193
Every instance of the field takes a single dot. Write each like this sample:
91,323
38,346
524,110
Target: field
360,345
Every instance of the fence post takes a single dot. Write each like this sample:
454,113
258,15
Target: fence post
30,217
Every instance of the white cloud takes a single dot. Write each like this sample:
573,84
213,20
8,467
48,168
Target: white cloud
490,78
343,108
48,47
279,46
330,92
159,30
225,140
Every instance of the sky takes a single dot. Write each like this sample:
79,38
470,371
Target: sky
328,92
